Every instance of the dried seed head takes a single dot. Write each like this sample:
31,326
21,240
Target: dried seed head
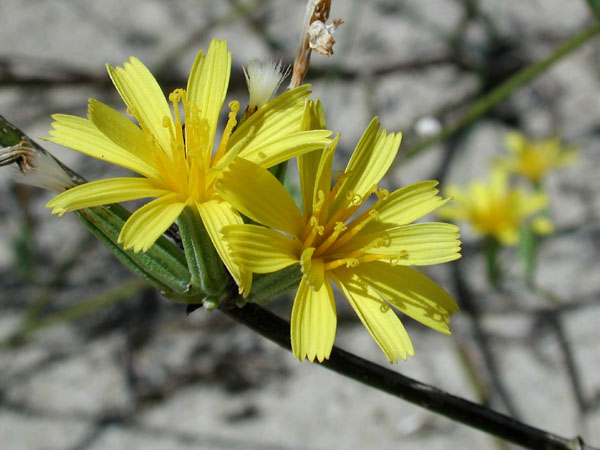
320,36
36,167
315,35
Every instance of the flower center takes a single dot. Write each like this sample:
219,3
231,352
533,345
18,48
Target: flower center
188,168
330,235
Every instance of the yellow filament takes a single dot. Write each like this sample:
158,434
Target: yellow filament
339,228
348,262
356,226
339,176
344,212
234,107
315,229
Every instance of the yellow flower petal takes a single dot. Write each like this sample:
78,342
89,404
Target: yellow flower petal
145,99
371,159
259,249
149,222
283,148
411,292
417,244
508,236
313,322
309,163
532,203
410,203
207,84
514,141
216,215
312,268
273,121
82,135
381,321
120,130
257,194
322,187
542,225
103,192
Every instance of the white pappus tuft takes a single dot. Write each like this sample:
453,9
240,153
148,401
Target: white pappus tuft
263,77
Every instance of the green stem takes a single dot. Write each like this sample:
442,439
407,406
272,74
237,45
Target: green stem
494,273
429,397
524,76
528,244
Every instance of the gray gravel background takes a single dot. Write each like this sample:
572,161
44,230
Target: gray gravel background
141,374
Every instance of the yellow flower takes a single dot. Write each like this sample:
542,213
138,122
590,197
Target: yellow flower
497,210
534,159
177,163
364,249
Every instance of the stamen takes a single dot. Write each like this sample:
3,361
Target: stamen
338,229
382,194
175,97
318,207
376,243
339,176
395,260
314,230
234,106
348,262
357,225
384,307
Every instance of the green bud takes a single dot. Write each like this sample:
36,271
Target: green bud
266,287
205,266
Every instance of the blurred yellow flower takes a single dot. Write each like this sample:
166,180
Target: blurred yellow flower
177,163
364,249
497,210
533,159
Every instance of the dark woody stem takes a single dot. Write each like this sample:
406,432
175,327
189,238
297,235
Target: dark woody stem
277,330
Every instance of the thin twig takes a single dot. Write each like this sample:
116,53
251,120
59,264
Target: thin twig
277,330
484,104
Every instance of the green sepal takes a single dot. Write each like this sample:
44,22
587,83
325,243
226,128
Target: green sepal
163,265
268,286
280,171
206,269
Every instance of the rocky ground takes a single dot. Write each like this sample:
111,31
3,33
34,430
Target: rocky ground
138,372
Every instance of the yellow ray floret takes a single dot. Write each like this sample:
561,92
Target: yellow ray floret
337,239
180,165
533,159
496,209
